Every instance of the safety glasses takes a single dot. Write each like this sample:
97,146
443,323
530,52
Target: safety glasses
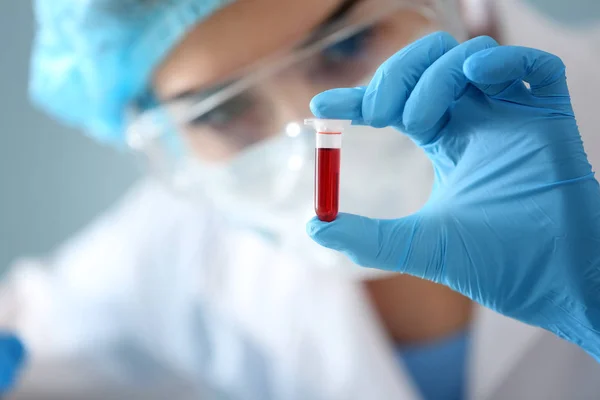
253,117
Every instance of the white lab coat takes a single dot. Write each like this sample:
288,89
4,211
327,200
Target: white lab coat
152,286
158,300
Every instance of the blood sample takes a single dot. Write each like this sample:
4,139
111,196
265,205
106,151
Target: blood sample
327,166
327,183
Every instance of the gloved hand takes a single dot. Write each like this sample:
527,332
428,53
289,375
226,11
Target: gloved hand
12,354
513,221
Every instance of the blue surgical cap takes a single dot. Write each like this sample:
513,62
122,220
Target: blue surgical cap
92,58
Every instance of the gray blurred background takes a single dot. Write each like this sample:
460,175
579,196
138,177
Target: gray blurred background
53,180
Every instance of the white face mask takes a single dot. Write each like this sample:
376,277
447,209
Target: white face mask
269,188
266,187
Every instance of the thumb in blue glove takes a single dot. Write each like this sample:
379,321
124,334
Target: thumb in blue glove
513,221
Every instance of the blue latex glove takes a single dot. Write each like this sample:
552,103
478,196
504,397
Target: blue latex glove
12,354
513,221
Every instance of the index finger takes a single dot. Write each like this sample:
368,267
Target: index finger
382,102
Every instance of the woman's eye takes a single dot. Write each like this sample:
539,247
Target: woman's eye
341,61
347,48
226,113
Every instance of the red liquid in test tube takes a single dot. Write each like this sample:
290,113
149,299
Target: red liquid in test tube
327,167
327,183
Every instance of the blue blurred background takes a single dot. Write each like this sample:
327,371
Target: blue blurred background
52,180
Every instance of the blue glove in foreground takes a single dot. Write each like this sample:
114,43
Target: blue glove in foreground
513,221
12,354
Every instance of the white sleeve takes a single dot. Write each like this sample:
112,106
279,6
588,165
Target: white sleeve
84,296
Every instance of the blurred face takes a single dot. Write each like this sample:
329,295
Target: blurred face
224,49
272,45
233,95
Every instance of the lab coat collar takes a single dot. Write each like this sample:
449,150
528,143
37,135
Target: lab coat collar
498,343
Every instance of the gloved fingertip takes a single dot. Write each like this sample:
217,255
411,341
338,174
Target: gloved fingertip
8,376
357,237
410,123
312,226
444,37
6,383
415,125
11,361
18,352
378,107
315,227
333,235
475,66
344,103
12,347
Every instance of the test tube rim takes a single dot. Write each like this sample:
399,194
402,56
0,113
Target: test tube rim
328,126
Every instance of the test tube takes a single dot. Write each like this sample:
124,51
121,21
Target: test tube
327,166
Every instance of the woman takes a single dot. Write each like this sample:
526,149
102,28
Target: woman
226,289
